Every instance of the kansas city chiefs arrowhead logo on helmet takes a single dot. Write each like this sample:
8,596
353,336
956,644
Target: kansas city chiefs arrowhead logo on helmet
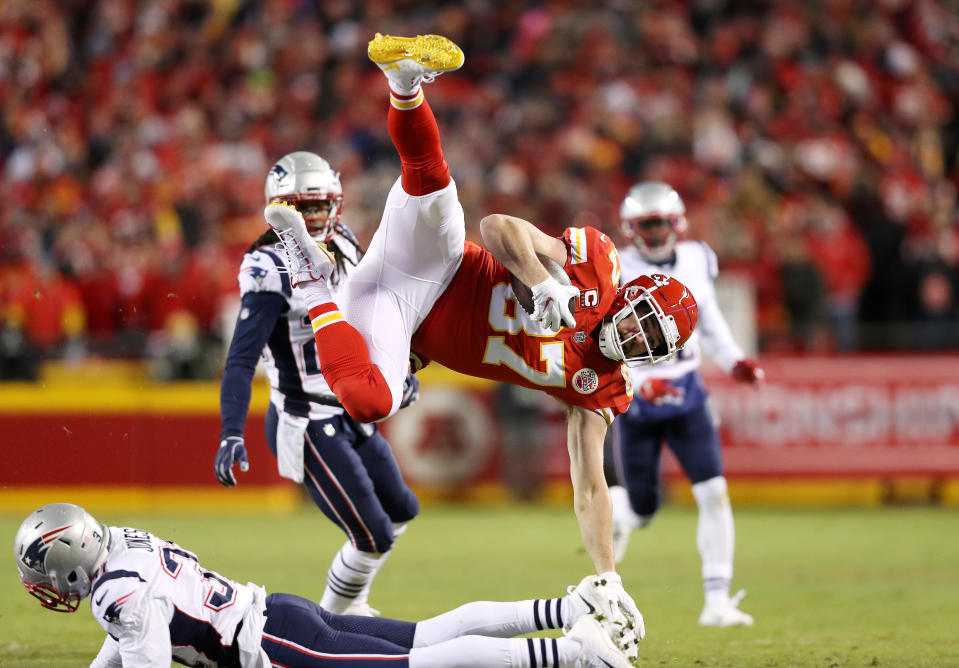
660,280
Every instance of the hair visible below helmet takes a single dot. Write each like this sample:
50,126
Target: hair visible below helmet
304,180
59,548
664,314
652,217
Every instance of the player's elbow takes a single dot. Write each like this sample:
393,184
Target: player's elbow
492,229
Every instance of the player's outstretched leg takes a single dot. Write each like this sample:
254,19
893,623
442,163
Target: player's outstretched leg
585,646
344,357
408,62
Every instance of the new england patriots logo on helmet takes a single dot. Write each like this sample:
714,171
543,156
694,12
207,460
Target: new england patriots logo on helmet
35,555
279,175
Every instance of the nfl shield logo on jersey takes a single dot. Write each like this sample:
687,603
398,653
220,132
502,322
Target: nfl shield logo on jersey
585,381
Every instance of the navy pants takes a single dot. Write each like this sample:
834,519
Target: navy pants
301,634
637,445
353,479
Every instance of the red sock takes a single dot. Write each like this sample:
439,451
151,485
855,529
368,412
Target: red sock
357,383
417,139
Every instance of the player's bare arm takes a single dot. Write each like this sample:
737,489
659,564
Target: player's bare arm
586,431
515,243
522,249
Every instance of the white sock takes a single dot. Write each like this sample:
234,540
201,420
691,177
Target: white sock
715,536
483,652
495,619
315,293
350,572
622,510
364,595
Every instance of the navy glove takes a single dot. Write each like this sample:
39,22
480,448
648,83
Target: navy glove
232,451
411,390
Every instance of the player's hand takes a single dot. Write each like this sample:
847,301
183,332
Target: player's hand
747,370
551,304
625,613
411,390
232,451
657,391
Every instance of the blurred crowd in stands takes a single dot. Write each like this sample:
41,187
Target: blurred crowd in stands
815,145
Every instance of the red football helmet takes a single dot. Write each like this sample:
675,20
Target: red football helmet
651,318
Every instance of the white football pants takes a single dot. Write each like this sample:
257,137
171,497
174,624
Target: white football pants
412,258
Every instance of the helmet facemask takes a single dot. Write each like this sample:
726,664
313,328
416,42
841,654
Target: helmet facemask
653,217
309,183
640,332
321,213
655,236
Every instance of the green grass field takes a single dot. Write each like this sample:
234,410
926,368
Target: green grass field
827,587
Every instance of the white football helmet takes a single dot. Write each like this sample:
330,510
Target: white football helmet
309,183
59,548
652,217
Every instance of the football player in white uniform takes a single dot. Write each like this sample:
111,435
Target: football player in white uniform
671,404
157,603
347,467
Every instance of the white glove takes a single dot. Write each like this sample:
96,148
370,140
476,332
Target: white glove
551,304
622,603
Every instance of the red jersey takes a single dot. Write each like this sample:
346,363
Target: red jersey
478,328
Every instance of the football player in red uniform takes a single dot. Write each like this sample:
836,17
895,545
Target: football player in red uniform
421,288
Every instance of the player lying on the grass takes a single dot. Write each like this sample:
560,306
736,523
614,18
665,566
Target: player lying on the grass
422,288
158,604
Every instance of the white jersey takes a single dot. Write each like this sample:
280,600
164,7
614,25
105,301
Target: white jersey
157,604
695,265
290,357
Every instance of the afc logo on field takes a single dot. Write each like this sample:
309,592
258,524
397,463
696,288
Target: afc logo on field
589,298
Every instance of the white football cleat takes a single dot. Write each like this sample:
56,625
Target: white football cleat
409,60
308,261
361,610
725,612
587,598
590,599
597,649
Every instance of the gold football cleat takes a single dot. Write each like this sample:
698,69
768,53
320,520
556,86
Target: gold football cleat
434,54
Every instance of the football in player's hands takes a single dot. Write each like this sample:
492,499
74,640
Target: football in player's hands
524,294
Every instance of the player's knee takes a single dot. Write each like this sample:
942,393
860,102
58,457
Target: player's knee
644,503
406,509
382,536
367,398
711,492
369,411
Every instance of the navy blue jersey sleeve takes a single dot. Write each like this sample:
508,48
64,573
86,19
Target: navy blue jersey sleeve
259,312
